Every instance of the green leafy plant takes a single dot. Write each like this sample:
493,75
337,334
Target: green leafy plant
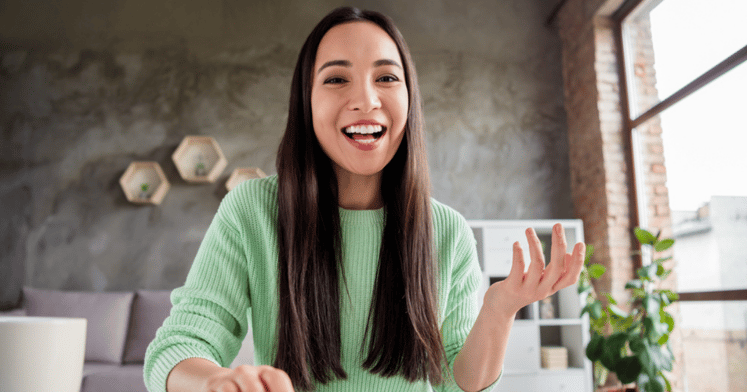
632,344
144,187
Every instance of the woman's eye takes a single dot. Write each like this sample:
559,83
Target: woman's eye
334,80
388,78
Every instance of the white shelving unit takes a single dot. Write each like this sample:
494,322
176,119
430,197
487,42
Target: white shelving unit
522,367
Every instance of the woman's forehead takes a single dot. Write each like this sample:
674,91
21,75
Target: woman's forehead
356,41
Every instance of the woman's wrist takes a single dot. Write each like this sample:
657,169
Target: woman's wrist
191,372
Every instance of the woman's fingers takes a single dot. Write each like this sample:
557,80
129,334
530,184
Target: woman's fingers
517,265
555,268
247,378
537,263
573,265
275,380
540,282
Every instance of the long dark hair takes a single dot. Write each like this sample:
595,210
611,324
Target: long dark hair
403,321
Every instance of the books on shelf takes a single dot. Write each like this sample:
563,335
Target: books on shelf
554,357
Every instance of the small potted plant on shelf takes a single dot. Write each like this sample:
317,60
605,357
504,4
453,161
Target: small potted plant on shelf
144,191
200,170
632,344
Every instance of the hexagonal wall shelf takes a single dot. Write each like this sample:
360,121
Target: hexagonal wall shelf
144,183
199,159
241,174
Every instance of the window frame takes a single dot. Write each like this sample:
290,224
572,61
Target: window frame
629,125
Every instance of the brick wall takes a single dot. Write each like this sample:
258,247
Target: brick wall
600,149
597,147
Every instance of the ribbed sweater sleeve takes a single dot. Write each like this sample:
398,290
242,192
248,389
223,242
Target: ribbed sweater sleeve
460,279
209,313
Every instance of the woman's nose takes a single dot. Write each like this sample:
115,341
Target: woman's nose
364,97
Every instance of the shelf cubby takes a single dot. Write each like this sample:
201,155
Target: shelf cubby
148,175
532,329
572,337
199,159
241,174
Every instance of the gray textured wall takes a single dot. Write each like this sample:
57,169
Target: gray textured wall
86,87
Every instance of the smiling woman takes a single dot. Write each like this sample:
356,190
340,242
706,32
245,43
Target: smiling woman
355,278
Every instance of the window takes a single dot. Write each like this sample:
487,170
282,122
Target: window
685,63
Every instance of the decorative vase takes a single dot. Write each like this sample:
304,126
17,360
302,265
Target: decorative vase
547,309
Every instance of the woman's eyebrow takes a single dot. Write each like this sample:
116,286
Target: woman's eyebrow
379,63
343,63
346,63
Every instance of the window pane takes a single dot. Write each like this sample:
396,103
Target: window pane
705,136
670,43
698,146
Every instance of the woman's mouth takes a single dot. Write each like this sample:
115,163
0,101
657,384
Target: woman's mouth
364,133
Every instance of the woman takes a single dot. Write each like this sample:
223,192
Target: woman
355,278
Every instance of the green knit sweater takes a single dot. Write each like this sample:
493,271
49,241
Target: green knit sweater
233,281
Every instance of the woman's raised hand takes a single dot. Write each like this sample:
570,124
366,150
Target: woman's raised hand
245,378
521,288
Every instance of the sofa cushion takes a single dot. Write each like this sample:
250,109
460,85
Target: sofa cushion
125,378
20,312
108,315
149,310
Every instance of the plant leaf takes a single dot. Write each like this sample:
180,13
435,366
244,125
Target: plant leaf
667,319
612,350
652,306
660,270
617,311
589,252
659,359
644,236
610,299
671,295
628,369
650,328
597,270
636,343
648,271
634,284
664,244
653,385
600,373
594,347
662,259
596,310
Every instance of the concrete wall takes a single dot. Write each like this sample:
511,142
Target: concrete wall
86,87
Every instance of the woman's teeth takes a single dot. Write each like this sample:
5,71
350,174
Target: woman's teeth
364,133
363,129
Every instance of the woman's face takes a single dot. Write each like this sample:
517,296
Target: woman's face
359,98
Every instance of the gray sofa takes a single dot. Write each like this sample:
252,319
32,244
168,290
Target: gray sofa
120,327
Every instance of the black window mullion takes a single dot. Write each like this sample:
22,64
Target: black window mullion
723,67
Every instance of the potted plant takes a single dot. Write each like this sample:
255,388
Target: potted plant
200,169
632,344
144,190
